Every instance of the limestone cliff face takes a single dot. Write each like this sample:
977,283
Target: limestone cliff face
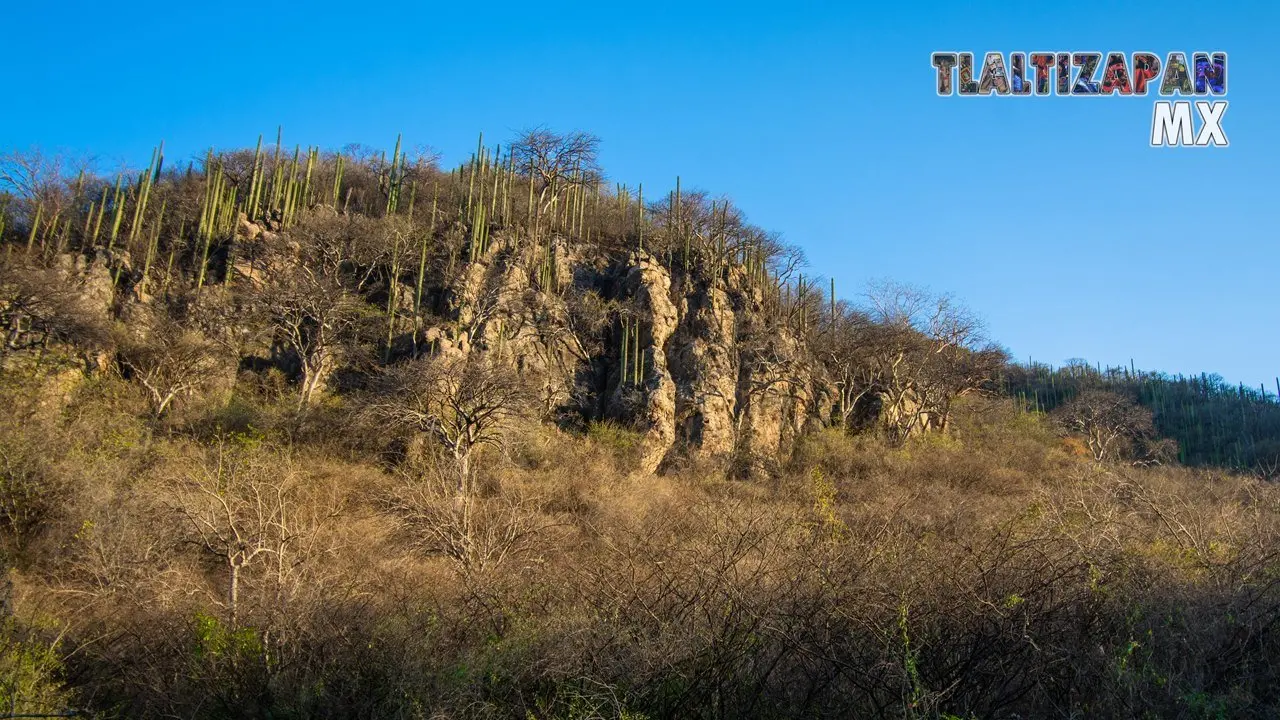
705,358
496,307
645,286
699,361
699,364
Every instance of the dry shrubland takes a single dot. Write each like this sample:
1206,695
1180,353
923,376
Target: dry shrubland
182,567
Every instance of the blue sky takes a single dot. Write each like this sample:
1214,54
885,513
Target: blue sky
1049,216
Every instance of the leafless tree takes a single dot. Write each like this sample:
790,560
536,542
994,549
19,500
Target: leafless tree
922,350
39,179
32,493
938,317
770,366
1110,423
307,304
249,514
40,303
555,161
169,361
844,355
477,534
585,318
491,298
462,402
313,318
1266,462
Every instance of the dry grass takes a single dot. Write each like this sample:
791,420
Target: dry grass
991,573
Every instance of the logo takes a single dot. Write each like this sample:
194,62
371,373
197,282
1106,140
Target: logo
1085,74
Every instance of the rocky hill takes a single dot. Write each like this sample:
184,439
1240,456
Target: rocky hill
676,318
297,434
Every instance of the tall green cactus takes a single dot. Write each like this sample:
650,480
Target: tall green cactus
88,224
152,245
626,339
255,182
638,364
479,234
393,281
35,227
497,182
475,167
92,240
640,207
140,204
117,216
337,180
394,178
833,302
631,353
277,171
675,208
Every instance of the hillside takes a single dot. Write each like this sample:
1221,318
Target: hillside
310,434
1213,423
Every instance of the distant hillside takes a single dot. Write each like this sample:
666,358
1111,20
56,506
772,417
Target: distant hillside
1214,423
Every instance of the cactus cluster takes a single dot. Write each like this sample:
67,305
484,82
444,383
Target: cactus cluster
632,358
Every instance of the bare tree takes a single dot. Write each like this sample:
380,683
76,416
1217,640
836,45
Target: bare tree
478,535
1267,469
462,402
844,355
39,179
922,351
39,304
491,298
249,514
557,162
938,317
1111,424
586,315
770,366
313,318
32,492
306,302
170,361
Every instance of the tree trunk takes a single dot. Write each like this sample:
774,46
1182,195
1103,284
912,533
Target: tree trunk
233,593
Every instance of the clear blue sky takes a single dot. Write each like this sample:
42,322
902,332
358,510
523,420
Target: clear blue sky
1051,217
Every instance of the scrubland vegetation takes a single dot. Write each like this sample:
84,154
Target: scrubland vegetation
280,441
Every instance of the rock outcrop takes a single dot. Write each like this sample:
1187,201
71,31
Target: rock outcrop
699,364
700,360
